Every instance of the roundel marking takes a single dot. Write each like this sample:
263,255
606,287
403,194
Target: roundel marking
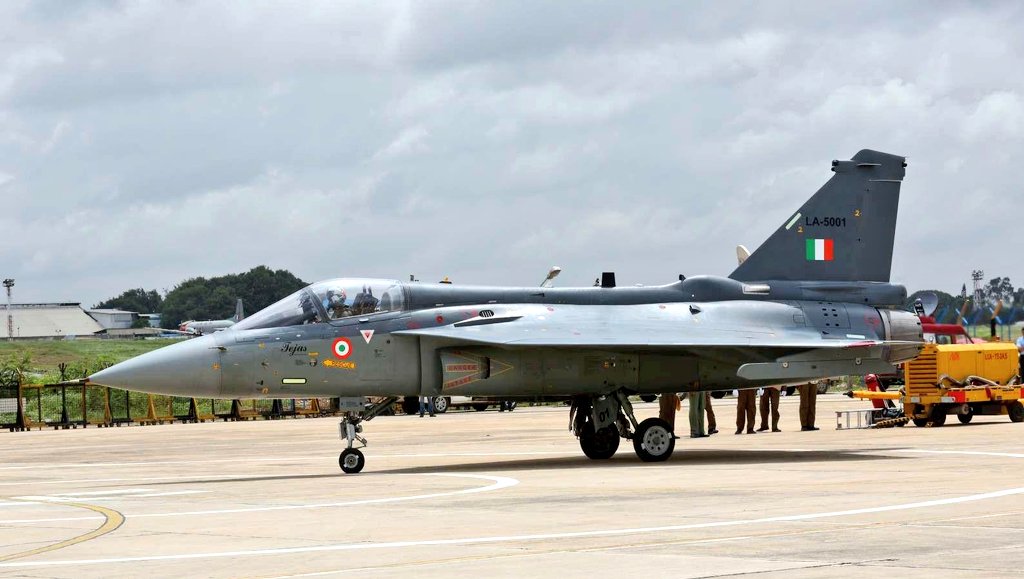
341,348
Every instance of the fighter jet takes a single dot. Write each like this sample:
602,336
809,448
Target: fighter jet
813,301
209,326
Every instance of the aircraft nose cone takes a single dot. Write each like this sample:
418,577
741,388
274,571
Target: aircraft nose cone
189,368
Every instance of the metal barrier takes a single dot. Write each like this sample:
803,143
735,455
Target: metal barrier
11,401
853,419
70,405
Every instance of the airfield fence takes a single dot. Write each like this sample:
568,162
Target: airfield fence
62,406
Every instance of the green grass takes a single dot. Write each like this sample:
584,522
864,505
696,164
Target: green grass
40,359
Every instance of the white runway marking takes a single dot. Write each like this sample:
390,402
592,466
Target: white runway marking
517,538
498,483
549,536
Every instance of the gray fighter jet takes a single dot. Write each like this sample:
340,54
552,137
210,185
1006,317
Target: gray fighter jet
813,301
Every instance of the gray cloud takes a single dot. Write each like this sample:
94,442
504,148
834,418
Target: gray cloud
145,142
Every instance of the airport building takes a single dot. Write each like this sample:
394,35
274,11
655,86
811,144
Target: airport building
113,319
51,320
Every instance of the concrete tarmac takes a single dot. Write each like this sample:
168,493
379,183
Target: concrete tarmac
483,494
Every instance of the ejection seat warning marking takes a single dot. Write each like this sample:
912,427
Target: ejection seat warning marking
367,335
341,348
792,221
340,365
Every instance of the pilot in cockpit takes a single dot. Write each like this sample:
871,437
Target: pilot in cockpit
334,303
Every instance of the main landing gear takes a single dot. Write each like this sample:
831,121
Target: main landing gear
352,460
600,421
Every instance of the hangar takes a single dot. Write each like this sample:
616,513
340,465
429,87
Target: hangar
48,320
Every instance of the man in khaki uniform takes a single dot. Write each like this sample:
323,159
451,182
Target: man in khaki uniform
770,401
808,400
667,406
712,425
746,408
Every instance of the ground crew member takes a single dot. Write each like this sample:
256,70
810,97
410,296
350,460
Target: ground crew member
696,414
808,400
1020,353
746,408
427,402
770,401
667,405
712,424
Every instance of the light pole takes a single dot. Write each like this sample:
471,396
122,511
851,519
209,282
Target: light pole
9,283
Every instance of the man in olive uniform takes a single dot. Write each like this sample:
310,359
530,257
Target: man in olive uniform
770,401
808,400
696,400
746,408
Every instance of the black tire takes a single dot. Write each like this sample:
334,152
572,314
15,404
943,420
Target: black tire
938,416
511,405
965,418
718,394
823,387
653,440
600,445
920,422
1016,411
351,460
790,390
441,404
480,407
411,405
648,397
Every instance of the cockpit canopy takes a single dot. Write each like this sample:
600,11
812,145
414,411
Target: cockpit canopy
329,301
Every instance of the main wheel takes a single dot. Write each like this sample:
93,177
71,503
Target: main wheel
1016,411
920,422
351,460
511,405
648,397
600,445
480,407
718,394
937,417
441,404
790,390
653,440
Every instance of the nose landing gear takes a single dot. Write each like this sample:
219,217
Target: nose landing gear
351,459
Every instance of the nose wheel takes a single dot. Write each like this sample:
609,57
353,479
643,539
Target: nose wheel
351,460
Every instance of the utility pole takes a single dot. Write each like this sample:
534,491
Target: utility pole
9,283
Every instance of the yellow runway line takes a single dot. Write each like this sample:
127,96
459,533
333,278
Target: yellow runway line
113,521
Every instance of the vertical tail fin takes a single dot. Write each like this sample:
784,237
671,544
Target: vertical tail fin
239,312
844,232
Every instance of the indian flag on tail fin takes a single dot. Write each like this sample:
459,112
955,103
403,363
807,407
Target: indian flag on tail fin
819,250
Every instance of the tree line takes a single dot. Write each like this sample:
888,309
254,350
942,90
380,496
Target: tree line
200,298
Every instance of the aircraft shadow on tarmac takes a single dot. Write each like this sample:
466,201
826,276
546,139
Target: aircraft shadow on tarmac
622,460
687,457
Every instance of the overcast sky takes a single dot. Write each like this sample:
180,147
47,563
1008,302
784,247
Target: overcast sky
142,143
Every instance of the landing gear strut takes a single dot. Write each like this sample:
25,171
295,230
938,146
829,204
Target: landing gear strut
600,421
351,459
